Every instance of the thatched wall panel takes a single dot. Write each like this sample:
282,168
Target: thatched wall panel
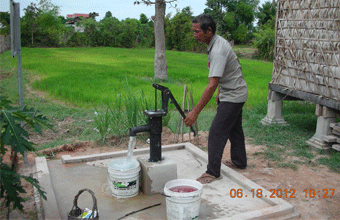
307,47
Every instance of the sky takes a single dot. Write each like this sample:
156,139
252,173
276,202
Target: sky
120,9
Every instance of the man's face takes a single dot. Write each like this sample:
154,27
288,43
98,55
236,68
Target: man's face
199,34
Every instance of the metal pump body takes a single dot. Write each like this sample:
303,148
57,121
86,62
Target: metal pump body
154,127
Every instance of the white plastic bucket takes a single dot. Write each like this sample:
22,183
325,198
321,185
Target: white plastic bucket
185,205
124,180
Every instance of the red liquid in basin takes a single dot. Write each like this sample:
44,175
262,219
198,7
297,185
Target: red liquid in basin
183,189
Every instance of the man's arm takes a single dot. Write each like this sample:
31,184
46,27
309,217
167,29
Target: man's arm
191,117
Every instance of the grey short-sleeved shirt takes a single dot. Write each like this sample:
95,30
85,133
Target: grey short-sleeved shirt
223,63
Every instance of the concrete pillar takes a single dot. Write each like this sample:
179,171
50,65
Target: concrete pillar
326,116
155,175
274,111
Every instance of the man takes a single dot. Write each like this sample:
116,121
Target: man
226,74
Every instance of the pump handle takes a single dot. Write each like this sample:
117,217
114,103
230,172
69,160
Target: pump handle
166,94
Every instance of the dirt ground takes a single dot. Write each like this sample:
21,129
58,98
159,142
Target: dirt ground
297,184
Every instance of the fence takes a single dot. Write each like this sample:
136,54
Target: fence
5,43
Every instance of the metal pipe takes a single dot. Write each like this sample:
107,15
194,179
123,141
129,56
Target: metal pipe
138,129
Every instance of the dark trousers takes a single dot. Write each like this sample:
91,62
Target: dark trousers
227,124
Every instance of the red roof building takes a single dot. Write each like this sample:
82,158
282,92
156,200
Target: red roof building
78,15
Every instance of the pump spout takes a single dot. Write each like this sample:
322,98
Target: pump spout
138,129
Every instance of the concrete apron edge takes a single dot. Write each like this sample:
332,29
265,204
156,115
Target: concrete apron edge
65,159
50,206
278,208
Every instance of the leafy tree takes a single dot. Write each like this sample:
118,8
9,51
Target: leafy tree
245,14
240,34
167,32
91,31
62,19
160,60
129,32
143,19
93,15
230,21
146,35
4,23
230,14
108,14
77,39
41,23
180,25
29,21
50,29
216,8
15,136
187,11
265,40
266,12
46,6
110,30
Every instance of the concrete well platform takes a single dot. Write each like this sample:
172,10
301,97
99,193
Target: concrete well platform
62,179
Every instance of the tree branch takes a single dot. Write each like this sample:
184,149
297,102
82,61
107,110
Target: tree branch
148,2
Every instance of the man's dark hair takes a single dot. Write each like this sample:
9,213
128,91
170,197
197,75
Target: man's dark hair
205,21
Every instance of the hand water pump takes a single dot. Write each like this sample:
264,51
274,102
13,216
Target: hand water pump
154,127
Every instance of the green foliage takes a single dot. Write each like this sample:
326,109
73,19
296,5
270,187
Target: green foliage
265,40
178,32
124,113
240,34
41,25
12,126
4,23
77,39
91,31
180,25
245,14
110,30
230,20
143,19
129,32
230,15
108,14
146,36
266,12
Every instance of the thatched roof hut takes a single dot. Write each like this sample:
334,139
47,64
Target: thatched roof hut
307,52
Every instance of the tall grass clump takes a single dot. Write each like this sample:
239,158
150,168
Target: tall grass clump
127,111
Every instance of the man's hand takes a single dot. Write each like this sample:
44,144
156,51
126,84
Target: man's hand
190,119
205,98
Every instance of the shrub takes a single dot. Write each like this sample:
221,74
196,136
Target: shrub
12,133
265,40
77,39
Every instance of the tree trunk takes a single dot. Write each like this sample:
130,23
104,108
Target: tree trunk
160,60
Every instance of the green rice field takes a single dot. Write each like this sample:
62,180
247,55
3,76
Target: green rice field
94,76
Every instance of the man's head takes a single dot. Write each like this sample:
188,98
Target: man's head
204,28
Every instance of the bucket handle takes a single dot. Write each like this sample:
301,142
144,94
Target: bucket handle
165,195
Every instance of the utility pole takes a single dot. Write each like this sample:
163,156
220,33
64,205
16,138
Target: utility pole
16,50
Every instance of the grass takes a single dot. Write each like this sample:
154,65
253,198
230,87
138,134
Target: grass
90,79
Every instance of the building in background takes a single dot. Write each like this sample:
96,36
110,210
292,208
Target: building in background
74,19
